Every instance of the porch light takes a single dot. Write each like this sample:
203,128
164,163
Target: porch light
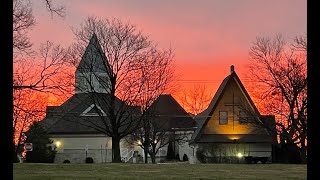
240,155
58,143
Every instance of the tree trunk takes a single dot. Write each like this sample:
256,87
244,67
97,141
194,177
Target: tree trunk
116,157
303,154
153,157
145,150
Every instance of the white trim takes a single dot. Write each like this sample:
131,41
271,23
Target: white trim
85,112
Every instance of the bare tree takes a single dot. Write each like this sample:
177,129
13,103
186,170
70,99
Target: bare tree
195,99
125,56
44,75
157,74
23,21
32,78
28,106
279,70
59,10
155,133
33,82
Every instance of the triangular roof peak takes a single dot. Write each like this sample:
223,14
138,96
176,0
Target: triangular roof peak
93,59
203,118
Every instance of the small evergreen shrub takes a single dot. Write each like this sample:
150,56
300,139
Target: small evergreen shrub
201,156
177,157
89,160
185,157
66,161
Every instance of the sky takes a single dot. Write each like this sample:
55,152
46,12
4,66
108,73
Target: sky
208,35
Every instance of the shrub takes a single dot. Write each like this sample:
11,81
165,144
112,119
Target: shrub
170,152
89,160
185,157
66,161
41,153
200,156
177,157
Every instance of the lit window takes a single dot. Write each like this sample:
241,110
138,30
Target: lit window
223,117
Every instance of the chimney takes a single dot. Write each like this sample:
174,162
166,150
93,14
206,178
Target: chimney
231,69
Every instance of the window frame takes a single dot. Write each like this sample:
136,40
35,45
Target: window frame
220,116
244,116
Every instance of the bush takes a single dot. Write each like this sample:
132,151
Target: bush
66,161
185,157
177,157
89,160
41,153
170,152
200,156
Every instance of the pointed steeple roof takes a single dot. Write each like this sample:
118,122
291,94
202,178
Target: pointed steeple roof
203,118
93,59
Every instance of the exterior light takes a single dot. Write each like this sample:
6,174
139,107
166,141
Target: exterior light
155,141
58,143
239,155
139,142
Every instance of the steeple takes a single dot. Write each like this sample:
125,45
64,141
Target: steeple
93,59
92,71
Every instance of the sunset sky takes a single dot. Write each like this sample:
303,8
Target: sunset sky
208,35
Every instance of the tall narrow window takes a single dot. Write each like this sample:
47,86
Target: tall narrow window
223,117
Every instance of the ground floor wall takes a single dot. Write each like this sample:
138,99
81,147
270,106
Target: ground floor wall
76,148
232,153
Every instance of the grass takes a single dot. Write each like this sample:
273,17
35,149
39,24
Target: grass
28,171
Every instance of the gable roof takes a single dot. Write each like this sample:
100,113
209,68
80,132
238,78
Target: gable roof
68,118
203,118
170,115
93,59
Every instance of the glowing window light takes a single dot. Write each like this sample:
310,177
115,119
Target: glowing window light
240,155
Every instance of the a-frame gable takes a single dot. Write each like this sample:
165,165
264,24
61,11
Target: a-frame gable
203,118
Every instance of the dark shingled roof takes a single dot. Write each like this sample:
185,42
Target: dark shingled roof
170,115
67,118
203,118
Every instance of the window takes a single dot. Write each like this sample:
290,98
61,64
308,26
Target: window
223,117
242,117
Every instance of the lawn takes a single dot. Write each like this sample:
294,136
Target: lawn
158,171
